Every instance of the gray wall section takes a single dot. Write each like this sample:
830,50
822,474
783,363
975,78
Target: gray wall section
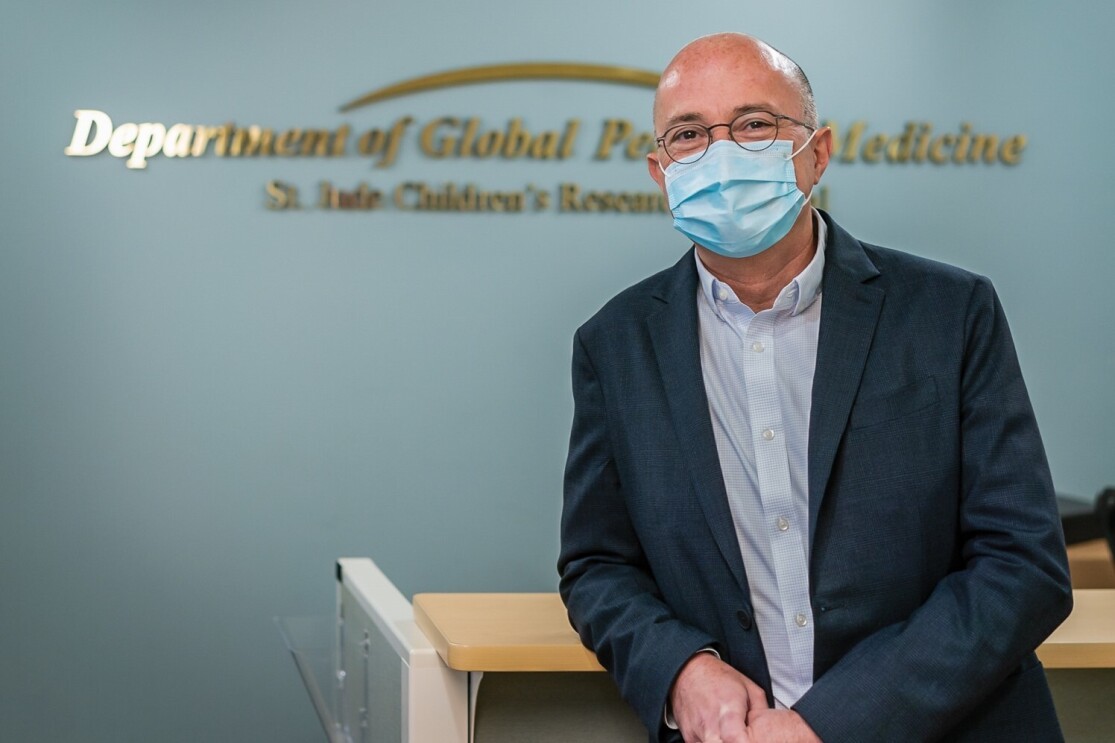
203,403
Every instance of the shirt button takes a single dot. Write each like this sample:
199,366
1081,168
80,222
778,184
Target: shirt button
768,434
783,525
757,347
722,293
801,620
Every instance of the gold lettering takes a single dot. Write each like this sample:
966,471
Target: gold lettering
251,141
328,197
202,135
224,137
984,145
444,146
488,143
137,143
92,133
517,142
281,195
569,201
362,197
324,143
285,143
935,155
371,142
960,154
123,140
640,145
177,142
1011,152
394,140
468,139
572,199
851,145
400,195
148,142
567,139
340,140
451,137
873,149
545,146
922,151
418,196
898,149
315,142
615,131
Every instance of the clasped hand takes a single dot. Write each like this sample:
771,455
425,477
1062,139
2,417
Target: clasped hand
714,703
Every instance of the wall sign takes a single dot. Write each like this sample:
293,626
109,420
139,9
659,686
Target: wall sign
139,144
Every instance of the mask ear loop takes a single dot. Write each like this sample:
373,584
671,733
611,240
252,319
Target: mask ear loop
795,153
805,144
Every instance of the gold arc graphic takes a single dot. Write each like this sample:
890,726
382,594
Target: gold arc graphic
504,72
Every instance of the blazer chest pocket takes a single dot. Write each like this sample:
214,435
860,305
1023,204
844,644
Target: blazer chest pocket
895,403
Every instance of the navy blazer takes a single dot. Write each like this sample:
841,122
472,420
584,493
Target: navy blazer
937,561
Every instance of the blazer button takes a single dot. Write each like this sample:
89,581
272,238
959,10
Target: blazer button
744,619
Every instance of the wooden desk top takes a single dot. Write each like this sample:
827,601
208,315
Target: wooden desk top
502,632
1087,638
530,632
1091,565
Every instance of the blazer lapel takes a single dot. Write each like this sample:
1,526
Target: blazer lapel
849,314
675,334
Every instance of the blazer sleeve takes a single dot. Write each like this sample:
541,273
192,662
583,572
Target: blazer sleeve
916,679
609,590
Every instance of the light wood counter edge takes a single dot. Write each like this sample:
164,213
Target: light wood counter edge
1091,564
1087,638
567,654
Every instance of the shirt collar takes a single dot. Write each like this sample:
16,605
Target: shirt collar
795,297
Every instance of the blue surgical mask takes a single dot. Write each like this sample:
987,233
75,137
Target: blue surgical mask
736,202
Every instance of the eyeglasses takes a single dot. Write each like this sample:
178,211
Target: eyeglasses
754,131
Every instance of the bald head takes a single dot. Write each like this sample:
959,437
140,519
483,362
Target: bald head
732,51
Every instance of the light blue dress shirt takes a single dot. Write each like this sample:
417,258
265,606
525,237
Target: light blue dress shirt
758,373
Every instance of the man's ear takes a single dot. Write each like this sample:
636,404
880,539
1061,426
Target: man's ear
654,167
822,152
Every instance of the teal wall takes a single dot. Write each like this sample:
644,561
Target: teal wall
203,403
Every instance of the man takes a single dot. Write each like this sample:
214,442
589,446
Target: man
805,496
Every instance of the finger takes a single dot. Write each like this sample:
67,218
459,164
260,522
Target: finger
756,697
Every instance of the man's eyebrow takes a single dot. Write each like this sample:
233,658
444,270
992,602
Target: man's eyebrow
685,118
690,117
751,108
